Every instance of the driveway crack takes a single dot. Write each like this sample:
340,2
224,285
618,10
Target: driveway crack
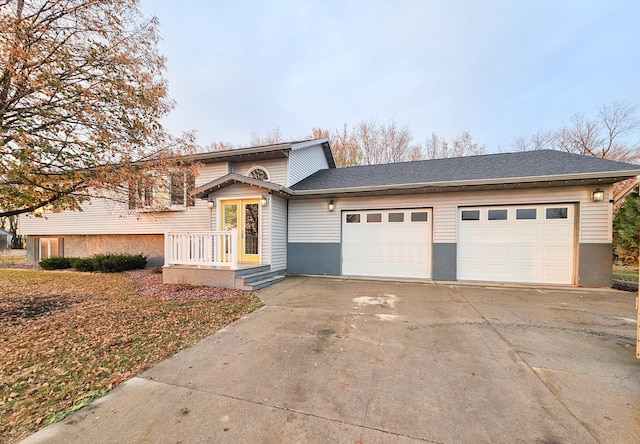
518,354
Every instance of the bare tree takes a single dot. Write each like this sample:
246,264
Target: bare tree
613,134
463,144
273,136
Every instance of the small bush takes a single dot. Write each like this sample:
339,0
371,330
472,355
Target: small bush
115,263
55,263
82,263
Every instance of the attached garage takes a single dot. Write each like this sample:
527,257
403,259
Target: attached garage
387,243
527,244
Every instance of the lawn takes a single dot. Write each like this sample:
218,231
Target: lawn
67,337
625,273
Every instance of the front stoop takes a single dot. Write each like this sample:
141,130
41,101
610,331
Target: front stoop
249,279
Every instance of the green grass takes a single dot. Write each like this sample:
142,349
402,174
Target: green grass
625,273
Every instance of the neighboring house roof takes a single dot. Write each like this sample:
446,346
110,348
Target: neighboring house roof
477,172
256,153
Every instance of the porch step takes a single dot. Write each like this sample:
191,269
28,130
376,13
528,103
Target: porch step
252,270
258,278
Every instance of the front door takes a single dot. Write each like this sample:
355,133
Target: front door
247,212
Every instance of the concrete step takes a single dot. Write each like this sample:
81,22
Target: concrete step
264,283
259,276
252,270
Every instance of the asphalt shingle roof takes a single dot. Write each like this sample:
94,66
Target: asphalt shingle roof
529,164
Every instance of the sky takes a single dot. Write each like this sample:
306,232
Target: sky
499,69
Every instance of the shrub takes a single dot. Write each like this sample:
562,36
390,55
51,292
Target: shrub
115,263
82,263
55,263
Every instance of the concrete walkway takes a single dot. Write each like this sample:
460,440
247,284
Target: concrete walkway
344,361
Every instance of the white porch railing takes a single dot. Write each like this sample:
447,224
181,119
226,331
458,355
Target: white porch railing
204,248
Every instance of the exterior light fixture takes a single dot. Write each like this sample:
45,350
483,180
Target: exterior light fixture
211,204
264,201
332,206
598,195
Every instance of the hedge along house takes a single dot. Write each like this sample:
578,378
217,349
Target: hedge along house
542,217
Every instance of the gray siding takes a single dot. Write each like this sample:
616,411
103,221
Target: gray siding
595,265
304,162
444,262
314,258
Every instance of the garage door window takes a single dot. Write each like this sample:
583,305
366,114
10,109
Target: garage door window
374,217
556,213
526,214
396,217
470,215
353,218
497,214
421,216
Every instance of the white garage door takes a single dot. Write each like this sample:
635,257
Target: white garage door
529,244
387,243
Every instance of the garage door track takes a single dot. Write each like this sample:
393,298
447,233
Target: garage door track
346,361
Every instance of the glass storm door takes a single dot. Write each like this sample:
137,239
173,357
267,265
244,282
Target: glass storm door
245,211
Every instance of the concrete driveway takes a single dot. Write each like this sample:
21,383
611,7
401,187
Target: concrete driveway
347,361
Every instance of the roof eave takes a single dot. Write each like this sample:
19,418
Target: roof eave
617,175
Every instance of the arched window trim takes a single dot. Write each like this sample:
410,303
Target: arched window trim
258,168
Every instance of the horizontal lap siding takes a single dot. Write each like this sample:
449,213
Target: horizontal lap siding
276,168
278,233
310,221
112,216
306,161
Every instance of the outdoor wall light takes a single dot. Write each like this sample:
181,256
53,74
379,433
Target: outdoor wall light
211,204
332,206
264,201
598,195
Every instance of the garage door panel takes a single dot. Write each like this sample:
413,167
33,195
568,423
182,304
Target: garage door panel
539,250
401,248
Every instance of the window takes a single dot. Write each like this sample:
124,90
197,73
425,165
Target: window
163,192
526,213
421,216
353,218
497,214
396,217
49,247
374,217
556,213
258,174
471,215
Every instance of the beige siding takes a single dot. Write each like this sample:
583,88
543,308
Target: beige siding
211,171
310,221
278,233
304,162
276,168
112,216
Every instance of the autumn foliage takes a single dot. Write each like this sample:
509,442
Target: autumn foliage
81,97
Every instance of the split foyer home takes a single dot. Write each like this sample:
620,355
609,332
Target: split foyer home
253,214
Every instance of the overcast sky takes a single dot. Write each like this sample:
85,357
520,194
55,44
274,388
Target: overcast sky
497,68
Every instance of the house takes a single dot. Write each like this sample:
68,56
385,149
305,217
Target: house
5,239
254,214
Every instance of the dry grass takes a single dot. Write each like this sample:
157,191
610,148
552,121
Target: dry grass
67,337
